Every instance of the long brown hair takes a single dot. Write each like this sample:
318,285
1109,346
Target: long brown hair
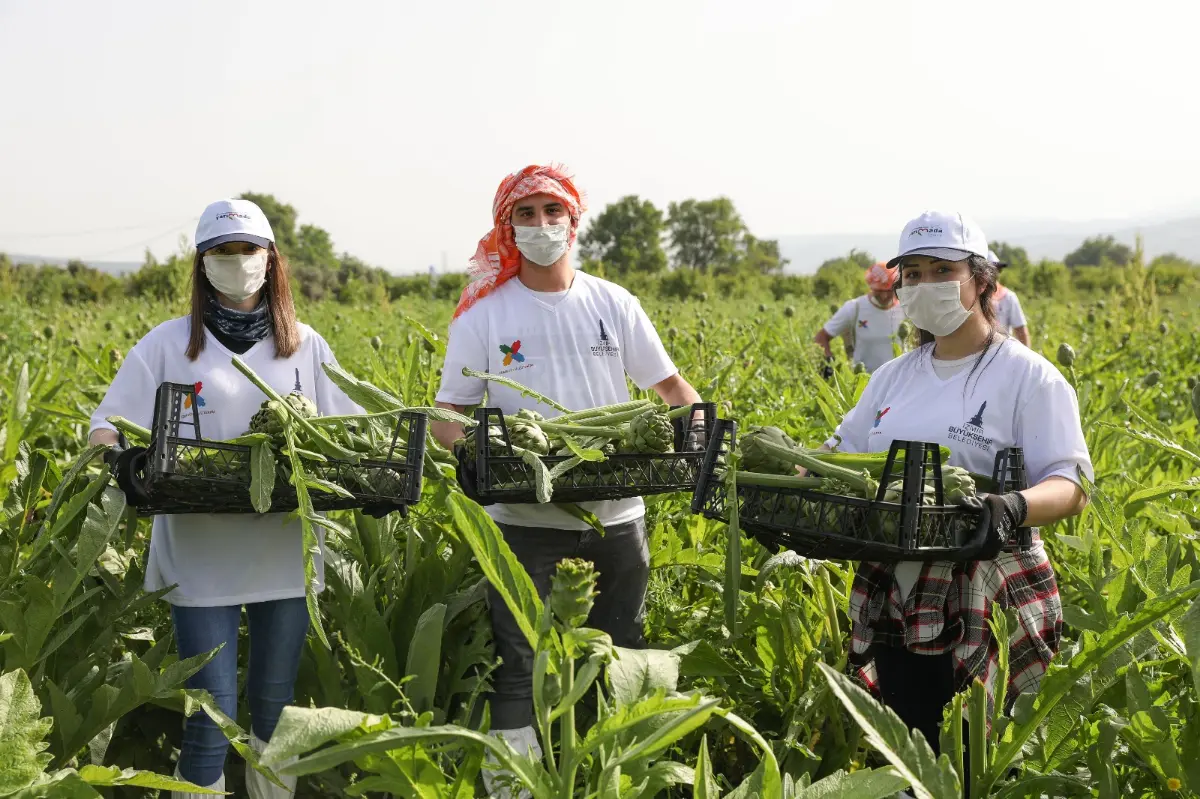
279,305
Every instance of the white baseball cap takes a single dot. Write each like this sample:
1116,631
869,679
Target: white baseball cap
947,235
995,260
233,220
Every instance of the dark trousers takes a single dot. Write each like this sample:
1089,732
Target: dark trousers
622,560
918,688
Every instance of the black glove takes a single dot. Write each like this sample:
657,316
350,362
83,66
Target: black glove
127,466
467,475
827,369
1003,515
380,509
111,454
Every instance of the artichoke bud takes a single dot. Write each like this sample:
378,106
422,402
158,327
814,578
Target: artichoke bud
573,591
1151,379
552,689
528,435
651,432
758,458
1066,354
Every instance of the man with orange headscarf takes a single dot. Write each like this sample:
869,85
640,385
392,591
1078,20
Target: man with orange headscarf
529,315
870,323
1009,316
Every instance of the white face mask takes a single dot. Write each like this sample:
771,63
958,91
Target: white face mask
934,307
543,245
238,277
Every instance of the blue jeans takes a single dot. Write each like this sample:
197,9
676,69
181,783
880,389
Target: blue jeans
277,632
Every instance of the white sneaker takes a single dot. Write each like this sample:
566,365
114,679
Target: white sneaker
258,786
219,785
497,781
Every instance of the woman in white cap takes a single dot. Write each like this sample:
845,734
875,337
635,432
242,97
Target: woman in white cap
920,630
1009,316
241,305
870,322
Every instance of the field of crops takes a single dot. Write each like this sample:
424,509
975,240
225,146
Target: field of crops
742,694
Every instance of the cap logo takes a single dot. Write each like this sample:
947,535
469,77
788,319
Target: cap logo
233,215
921,231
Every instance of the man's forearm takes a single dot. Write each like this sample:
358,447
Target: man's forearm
822,338
103,435
446,433
677,391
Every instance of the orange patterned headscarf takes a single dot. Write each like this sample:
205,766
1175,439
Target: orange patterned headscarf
880,278
497,260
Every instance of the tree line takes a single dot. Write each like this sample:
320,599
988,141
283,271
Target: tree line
695,247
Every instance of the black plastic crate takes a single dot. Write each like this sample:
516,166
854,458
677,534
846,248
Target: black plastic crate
827,526
504,477
183,473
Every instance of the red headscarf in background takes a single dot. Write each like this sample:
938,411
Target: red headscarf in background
497,259
880,278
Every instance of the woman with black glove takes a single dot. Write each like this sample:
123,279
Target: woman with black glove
241,305
920,630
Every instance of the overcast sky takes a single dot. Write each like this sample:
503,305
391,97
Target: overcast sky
390,123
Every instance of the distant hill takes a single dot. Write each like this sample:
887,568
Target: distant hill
111,267
1040,240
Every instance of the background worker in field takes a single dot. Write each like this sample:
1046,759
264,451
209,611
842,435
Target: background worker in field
869,323
574,338
1009,316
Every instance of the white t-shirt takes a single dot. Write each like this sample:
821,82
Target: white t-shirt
873,329
1009,315
575,349
1015,398
232,558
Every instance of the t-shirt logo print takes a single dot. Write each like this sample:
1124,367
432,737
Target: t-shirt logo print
187,401
972,432
605,345
977,419
862,323
512,352
880,414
